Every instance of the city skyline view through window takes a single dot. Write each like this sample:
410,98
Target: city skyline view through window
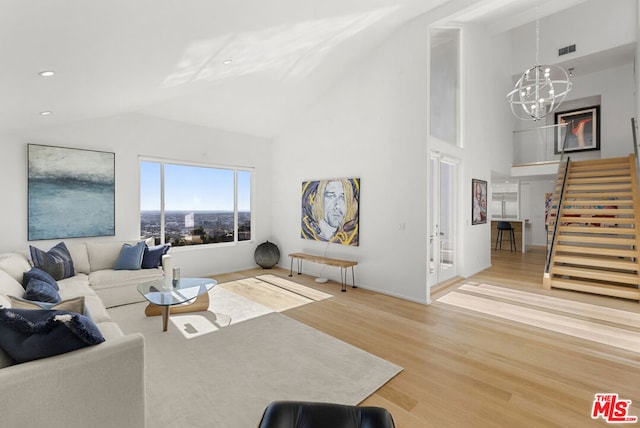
202,205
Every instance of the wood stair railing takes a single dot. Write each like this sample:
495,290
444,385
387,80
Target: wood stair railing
596,247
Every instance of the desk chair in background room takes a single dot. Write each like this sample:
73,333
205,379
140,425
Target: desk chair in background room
502,227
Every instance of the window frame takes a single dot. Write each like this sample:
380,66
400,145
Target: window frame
236,169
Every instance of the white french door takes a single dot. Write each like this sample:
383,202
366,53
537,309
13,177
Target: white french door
442,219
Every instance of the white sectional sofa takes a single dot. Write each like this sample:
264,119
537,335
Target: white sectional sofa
94,262
98,386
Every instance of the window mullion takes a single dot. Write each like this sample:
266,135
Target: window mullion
162,216
236,229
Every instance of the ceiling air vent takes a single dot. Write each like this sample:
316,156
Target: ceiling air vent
566,50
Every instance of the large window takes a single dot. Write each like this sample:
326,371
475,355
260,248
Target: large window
445,91
183,204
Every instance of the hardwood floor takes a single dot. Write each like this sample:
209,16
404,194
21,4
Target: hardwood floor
466,369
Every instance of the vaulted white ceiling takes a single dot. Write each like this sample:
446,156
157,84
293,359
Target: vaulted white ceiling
248,66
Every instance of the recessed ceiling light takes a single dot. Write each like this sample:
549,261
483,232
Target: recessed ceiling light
46,113
47,73
227,62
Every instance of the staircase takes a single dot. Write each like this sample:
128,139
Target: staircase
596,247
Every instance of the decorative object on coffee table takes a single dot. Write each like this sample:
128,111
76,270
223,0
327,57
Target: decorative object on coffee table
267,255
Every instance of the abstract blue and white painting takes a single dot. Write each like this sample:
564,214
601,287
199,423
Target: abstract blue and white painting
71,192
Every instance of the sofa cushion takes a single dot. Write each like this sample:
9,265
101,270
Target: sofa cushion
79,286
103,255
94,308
152,257
27,334
110,330
75,286
80,256
5,301
9,286
35,273
57,261
15,264
130,257
110,278
75,305
41,291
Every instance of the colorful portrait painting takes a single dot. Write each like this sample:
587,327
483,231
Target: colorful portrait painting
478,201
330,210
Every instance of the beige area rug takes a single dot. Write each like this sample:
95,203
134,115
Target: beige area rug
273,292
241,300
225,379
600,324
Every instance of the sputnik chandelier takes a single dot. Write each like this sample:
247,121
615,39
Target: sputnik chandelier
540,90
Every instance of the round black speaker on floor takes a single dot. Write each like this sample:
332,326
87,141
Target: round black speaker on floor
267,255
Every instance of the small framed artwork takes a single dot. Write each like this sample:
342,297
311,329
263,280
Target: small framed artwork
581,130
478,201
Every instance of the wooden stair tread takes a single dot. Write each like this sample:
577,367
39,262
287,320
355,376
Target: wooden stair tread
618,195
610,276
595,250
595,163
596,230
608,262
599,202
599,211
601,220
595,288
600,173
596,187
595,180
602,240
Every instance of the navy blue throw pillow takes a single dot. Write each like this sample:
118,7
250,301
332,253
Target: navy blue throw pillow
40,291
152,257
30,334
39,274
57,261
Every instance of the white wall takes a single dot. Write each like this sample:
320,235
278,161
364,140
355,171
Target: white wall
487,134
616,87
130,136
532,193
372,125
593,26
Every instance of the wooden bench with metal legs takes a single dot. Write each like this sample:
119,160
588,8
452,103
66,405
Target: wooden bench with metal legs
342,264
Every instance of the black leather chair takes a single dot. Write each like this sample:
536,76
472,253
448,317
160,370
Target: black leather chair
300,414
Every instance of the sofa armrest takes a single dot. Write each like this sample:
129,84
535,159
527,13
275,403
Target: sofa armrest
167,265
102,384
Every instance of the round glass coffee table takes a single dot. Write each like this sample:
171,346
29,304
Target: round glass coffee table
167,296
